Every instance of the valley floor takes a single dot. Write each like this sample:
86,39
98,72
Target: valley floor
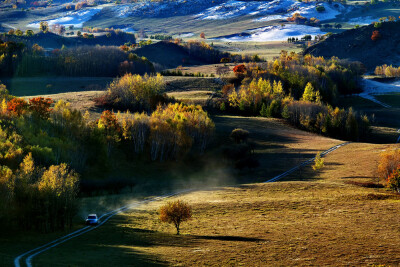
322,221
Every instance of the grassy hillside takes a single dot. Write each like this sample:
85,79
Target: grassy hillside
271,139
168,55
51,40
356,44
314,219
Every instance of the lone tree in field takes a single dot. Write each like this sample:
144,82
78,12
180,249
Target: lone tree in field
239,135
318,162
175,212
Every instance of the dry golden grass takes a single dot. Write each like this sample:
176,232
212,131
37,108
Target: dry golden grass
324,222
266,50
83,101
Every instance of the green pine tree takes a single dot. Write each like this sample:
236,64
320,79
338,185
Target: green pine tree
222,106
264,110
285,112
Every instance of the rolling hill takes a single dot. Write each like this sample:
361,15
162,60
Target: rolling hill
55,41
357,45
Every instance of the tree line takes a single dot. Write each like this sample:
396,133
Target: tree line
301,89
106,61
44,145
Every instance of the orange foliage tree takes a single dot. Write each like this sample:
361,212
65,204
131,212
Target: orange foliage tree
17,106
109,122
202,35
239,69
175,212
40,106
388,163
393,180
375,35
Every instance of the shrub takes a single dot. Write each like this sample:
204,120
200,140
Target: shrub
176,212
135,92
318,162
375,35
17,106
239,135
239,69
41,106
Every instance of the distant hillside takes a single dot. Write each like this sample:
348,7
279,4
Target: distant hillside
357,45
51,40
168,55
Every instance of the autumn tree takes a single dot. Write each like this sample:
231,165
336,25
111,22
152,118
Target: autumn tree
40,106
239,70
59,188
393,180
137,131
176,212
318,162
388,163
202,35
375,35
29,33
108,124
310,94
18,32
44,26
17,106
136,92
226,60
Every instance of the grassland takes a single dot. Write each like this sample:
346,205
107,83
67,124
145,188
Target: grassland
385,121
362,14
311,219
277,146
390,99
266,50
32,86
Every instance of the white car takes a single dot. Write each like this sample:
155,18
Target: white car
92,219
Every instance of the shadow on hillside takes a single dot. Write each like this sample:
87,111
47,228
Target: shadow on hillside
358,177
306,173
119,239
229,238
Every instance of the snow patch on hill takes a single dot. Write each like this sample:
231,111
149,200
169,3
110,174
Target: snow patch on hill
308,10
74,18
282,8
275,33
271,18
362,20
226,9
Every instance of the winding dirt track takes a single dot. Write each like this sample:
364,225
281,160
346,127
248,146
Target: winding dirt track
29,255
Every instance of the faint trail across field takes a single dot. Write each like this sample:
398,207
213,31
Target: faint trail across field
305,163
29,255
